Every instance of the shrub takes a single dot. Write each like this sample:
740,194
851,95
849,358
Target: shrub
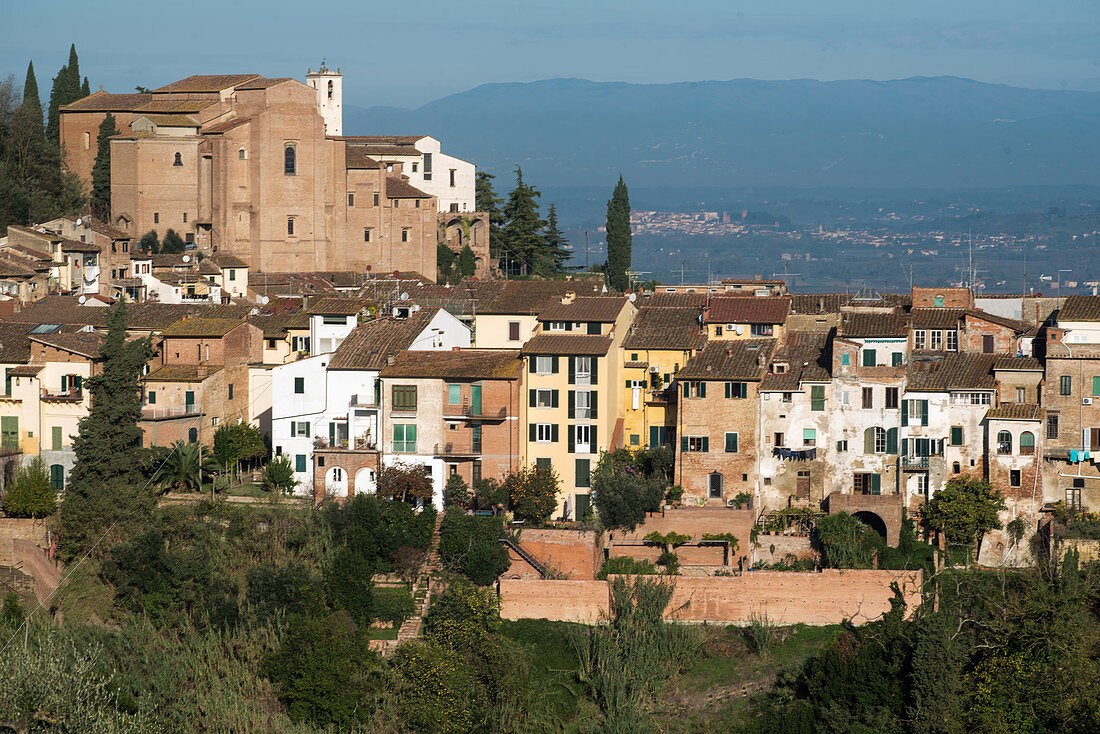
436,691
462,613
964,510
471,546
760,634
30,493
349,584
625,565
490,494
456,493
624,491
279,475
291,588
844,541
406,483
670,561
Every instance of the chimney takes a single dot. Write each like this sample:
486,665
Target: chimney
389,359
729,351
568,298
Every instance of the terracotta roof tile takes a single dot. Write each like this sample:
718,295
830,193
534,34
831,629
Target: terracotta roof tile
171,119
338,306
369,345
602,309
673,300
384,139
1080,308
182,373
936,318
356,157
1020,327
399,188
863,324
1017,412
807,356
590,344
936,373
1013,363
532,296
263,82
275,327
224,127
199,83
743,359
382,151
200,327
461,364
84,343
748,310
106,102
185,106
666,328
224,260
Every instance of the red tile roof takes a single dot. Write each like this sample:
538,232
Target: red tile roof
461,364
200,83
748,310
744,359
399,188
106,102
666,328
602,309
590,344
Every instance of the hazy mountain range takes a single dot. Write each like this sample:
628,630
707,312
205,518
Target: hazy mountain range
939,132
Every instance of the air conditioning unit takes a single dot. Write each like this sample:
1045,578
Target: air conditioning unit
1086,401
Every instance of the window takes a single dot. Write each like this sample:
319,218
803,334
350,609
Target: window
56,435
544,364
937,302
732,440
956,435
454,394
1096,386
543,398
452,178
914,413
151,399
427,166
290,226
841,447
192,435
582,405
330,89
695,444
87,140
1027,443
185,218
787,397
718,330
956,467
404,438
920,339
892,397
987,343
404,234
845,359
178,160
232,274
404,397
844,397
817,398
583,438
366,234
1014,478
865,483
231,391
513,331
870,359
299,428
635,439
375,200
695,389
290,161
935,340
868,398
556,326
544,432
972,398
1004,442
761,329
582,367
582,472
1065,385
714,485
1052,426
952,338
57,476
779,439
299,463
299,385
809,436
733,390
874,440
351,199
240,153
156,217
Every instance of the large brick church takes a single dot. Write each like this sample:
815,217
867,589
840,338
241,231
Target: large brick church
258,168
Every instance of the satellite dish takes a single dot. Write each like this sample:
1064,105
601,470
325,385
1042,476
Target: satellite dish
264,300
404,296
740,329
79,221
633,297
187,258
82,300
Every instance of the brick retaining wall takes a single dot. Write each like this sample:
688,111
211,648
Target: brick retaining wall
35,563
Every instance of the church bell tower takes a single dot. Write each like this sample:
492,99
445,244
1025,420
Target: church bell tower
329,86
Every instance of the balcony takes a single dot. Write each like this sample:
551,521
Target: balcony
664,396
64,396
471,449
481,413
914,463
151,413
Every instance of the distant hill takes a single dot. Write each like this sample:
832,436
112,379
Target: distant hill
922,132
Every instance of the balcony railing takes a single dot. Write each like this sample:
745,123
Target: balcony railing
914,463
149,413
467,411
454,449
72,396
661,397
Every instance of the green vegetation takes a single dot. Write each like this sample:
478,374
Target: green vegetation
626,565
185,467
101,169
471,546
628,484
532,493
618,237
30,492
172,244
150,242
279,475
524,242
964,510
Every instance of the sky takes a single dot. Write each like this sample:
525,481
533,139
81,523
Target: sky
410,52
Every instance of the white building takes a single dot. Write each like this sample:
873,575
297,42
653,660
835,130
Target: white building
333,399
421,158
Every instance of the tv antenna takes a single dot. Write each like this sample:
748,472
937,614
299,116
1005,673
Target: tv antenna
787,274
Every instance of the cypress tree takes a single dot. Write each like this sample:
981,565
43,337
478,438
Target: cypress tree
66,89
150,242
101,170
486,200
106,486
522,241
556,252
30,92
85,89
444,263
618,237
172,243
467,262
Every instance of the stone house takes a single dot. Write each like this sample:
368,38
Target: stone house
746,317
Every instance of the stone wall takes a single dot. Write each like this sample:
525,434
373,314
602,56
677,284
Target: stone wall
776,548
575,553
35,563
828,597
13,529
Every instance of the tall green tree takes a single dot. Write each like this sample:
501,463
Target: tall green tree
150,242
101,170
106,486
556,253
522,241
85,89
30,92
467,262
66,89
486,200
618,237
964,510
172,243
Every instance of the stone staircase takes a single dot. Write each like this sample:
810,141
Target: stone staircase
410,630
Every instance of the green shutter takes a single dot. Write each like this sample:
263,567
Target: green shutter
569,326
892,441
809,434
654,436
531,365
531,398
905,412
706,444
554,364
895,359
553,433
817,397
593,403
869,441
570,439
553,398
845,359
595,369
956,435
869,358
531,432
876,484
702,389
1096,386
684,444
924,412
593,446
56,431
572,404
572,370
731,443
454,394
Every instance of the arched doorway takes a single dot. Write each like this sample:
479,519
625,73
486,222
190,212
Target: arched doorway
365,482
872,521
336,482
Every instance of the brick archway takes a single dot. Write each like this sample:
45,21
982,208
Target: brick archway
886,508
350,461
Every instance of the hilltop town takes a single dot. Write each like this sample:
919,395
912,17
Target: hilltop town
382,481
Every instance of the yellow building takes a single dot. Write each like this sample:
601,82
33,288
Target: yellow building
509,318
746,317
573,406
659,343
